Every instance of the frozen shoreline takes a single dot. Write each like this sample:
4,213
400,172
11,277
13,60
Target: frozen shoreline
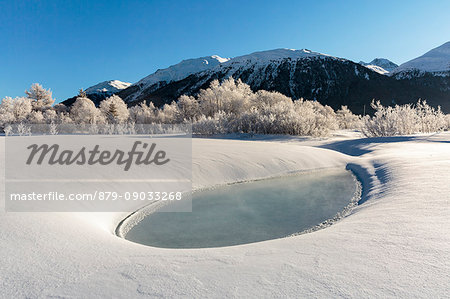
132,219
395,243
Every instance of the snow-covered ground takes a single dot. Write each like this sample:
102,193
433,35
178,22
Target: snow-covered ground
396,243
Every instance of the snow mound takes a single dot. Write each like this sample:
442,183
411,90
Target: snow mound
436,61
111,86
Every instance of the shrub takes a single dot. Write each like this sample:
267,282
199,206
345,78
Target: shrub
403,120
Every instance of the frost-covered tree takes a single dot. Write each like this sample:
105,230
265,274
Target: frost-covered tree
41,97
114,110
225,107
7,112
8,130
231,106
209,125
14,110
315,119
266,99
188,108
50,116
22,108
36,117
429,118
387,121
60,107
62,114
83,111
168,114
143,113
64,118
403,120
347,120
204,125
447,122
209,99
230,96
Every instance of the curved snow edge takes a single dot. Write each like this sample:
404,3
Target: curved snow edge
354,201
126,224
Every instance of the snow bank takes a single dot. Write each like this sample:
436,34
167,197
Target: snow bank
238,161
395,244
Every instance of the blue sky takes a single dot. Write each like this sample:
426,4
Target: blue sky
67,45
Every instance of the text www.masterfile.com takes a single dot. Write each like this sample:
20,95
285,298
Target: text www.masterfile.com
97,195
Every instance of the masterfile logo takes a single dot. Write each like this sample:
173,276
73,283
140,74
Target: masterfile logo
53,155
78,170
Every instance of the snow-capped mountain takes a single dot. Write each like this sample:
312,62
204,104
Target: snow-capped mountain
435,62
174,73
101,91
298,74
110,87
160,81
182,70
295,73
301,73
191,66
377,69
263,61
384,63
380,65
263,57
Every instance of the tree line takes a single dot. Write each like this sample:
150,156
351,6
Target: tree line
227,107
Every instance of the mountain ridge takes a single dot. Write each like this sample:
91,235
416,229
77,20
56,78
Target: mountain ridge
110,86
380,65
436,61
301,73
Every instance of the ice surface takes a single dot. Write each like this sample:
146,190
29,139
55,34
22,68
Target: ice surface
250,212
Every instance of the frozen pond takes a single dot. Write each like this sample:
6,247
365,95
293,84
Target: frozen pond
250,212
